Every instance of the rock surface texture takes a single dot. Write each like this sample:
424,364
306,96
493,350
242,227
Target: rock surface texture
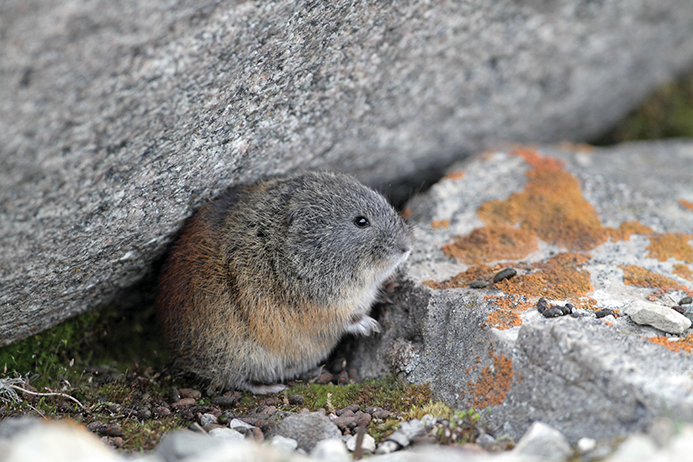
593,232
118,119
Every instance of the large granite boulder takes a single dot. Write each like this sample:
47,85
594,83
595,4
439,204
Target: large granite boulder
608,231
118,119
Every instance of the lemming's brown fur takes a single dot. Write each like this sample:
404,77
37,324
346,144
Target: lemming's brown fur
265,280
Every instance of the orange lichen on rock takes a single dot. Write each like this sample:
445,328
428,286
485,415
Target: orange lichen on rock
455,175
626,229
440,224
686,204
507,315
684,344
634,275
559,278
473,273
683,271
551,206
504,319
667,245
493,382
492,243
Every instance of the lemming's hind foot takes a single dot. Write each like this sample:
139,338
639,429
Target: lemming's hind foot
262,388
365,325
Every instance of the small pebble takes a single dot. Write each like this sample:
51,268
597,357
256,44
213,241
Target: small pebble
228,399
325,378
161,411
105,429
296,399
257,435
353,408
686,300
368,444
189,393
378,413
238,423
114,441
586,444
196,427
485,440
144,413
225,418
506,273
386,447
363,419
478,284
184,402
206,419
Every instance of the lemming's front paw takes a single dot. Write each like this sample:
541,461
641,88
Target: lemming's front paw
365,325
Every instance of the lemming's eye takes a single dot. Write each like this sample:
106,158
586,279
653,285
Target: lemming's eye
362,222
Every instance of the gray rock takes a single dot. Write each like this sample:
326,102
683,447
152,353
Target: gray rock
490,348
307,429
207,419
543,442
118,120
238,423
407,430
661,317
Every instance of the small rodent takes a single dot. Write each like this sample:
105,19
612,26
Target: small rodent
265,280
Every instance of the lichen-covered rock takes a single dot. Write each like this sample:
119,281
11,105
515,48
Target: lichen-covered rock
601,229
118,119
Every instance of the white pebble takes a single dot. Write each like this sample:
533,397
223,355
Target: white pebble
586,444
658,316
283,443
368,444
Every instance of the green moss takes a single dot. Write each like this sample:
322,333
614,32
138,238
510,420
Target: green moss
389,392
109,338
668,113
